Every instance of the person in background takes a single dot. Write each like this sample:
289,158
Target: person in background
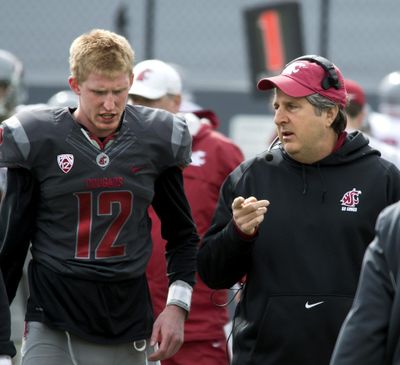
12,94
385,123
295,222
63,98
357,114
12,87
79,185
157,84
370,333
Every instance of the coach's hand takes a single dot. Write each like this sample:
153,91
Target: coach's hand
248,213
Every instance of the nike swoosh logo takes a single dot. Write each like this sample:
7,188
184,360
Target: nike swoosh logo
308,306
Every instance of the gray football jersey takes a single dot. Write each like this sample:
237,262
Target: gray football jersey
92,213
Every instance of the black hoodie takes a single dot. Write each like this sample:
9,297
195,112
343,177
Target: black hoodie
302,266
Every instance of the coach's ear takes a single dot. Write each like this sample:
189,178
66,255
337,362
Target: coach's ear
74,85
331,115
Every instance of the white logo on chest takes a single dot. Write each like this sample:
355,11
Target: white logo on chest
311,305
65,162
198,158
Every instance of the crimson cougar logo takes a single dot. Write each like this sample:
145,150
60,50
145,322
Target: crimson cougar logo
65,161
102,159
143,75
350,200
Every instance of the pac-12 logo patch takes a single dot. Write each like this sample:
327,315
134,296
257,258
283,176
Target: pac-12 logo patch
350,200
65,161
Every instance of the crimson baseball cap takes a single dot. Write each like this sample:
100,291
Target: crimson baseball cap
302,78
153,79
355,93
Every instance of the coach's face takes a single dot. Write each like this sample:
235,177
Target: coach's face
102,101
307,136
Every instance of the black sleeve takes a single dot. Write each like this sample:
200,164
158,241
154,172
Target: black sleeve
177,226
6,345
224,255
16,223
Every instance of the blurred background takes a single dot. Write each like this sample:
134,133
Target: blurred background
219,46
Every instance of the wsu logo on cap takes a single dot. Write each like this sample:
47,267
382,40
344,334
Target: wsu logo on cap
143,75
65,161
350,200
293,68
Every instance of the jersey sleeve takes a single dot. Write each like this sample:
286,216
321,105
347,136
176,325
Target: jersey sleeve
171,139
163,135
14,144
181,142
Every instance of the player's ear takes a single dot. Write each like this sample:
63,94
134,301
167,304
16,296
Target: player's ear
74,85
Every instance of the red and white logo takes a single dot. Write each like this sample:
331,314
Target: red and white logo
350,200
102,159
65,161
293,68
143,75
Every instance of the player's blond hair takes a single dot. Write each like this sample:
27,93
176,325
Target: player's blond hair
100,51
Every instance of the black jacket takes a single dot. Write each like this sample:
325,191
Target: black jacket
6,346
370,334
302,267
